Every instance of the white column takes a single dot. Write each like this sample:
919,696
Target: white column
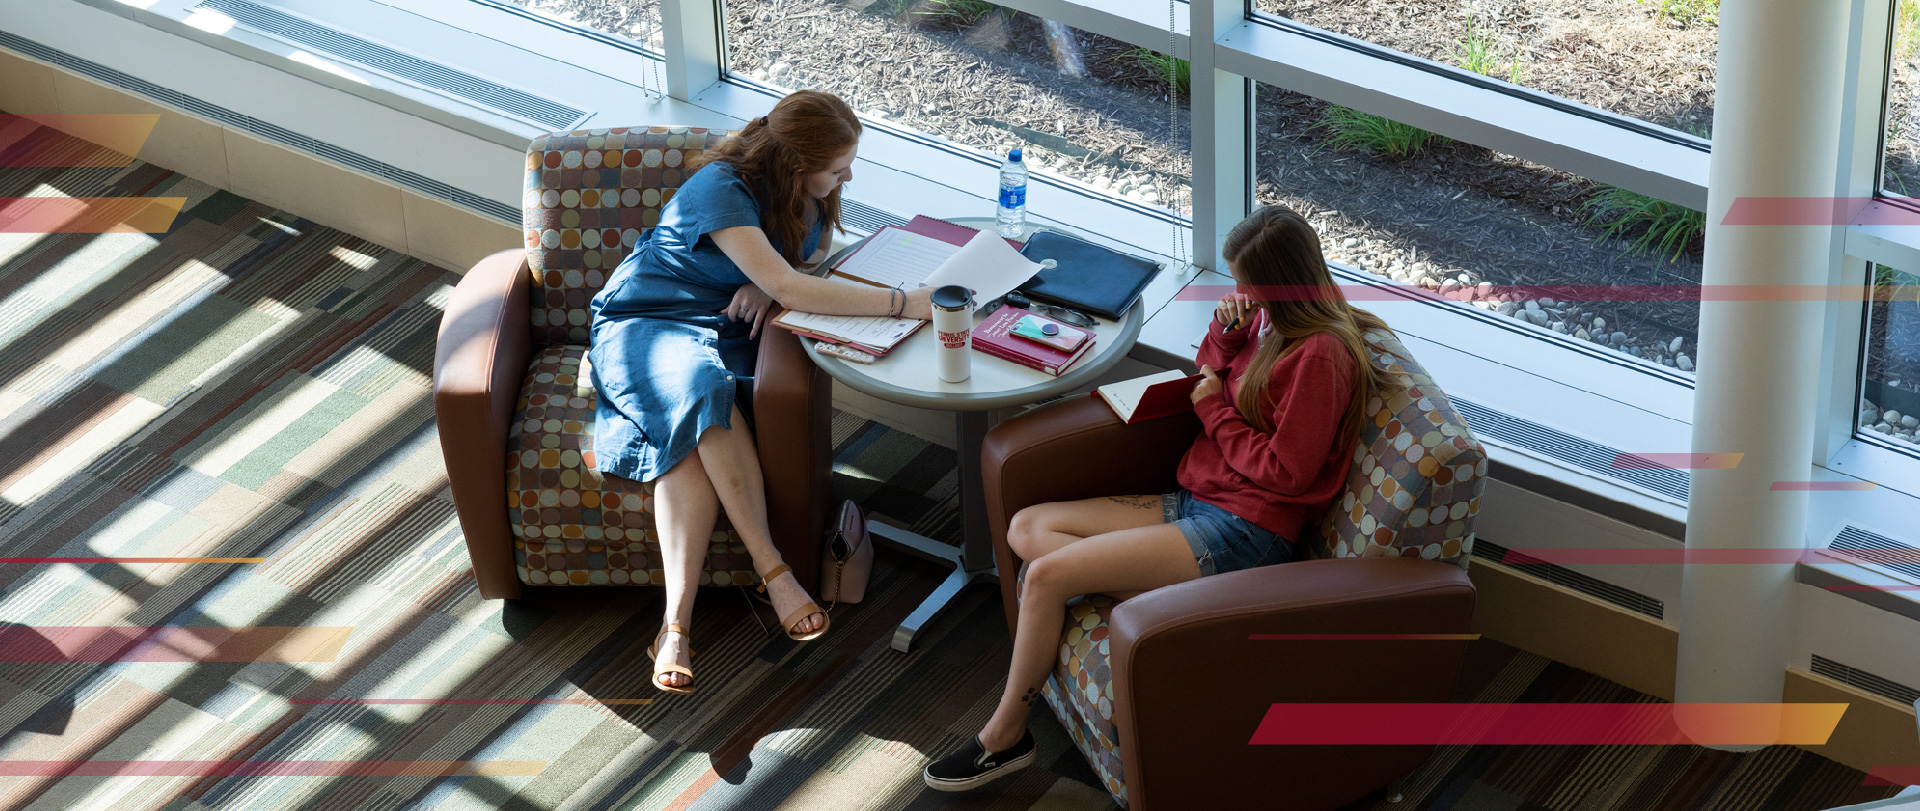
691,37
1776,134
1864,84
1221,115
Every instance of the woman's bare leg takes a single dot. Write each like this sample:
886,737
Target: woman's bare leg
733,465
1129,560
685,508
1041,529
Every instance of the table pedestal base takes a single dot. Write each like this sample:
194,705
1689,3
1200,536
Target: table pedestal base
936,602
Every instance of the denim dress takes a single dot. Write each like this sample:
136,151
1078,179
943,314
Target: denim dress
666,361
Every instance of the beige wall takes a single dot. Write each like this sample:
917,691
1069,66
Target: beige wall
327,193
1639,652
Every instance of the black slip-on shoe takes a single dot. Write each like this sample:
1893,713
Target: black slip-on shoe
973,766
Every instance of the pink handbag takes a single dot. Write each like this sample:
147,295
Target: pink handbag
847,559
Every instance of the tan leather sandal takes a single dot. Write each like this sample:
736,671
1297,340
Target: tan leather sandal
794,617
660,669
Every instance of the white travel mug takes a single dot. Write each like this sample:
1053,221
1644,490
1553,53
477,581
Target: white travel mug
953,329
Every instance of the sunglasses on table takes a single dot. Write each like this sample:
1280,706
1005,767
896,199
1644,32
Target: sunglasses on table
1062,314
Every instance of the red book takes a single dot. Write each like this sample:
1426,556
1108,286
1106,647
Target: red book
1152,397
995,337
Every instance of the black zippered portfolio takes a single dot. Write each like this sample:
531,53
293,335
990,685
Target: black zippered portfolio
1085,276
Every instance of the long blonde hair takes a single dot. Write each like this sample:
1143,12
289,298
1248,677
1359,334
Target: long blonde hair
804,132
1277,254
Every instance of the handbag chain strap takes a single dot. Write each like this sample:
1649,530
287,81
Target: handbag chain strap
839,569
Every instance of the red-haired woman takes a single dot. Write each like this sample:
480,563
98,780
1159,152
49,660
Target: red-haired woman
675,335
1271,457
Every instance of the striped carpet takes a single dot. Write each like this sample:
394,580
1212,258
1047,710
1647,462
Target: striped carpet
250,385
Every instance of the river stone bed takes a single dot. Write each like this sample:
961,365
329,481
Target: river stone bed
1451,218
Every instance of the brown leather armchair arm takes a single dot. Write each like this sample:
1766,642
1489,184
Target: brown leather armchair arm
793,415
477,370
1073,449
1190,686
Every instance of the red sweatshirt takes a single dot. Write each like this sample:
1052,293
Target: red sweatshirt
1284,480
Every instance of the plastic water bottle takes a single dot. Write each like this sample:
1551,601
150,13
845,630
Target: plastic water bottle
1013,196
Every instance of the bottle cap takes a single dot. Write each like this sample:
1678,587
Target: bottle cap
952,297
1014,155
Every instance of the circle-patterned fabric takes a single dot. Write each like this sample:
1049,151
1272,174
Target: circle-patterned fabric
1417,474
571,525
589,196
1413,490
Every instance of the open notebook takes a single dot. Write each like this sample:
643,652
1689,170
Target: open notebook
909,259
1145,398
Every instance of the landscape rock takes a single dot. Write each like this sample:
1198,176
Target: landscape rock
1685,363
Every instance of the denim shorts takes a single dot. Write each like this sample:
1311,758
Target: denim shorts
1221,541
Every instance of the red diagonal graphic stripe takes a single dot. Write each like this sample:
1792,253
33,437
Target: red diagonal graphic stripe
88,215
1823,486
1364,637
1598,724
461,701
1677,461
132,560
1394,291
1899,775
1671,556
171,643
271,768
84,139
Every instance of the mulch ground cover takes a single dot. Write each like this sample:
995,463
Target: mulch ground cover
1092,109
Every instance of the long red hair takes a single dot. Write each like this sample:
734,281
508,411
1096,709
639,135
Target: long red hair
803,133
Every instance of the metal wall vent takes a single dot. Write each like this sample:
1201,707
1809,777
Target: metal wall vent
1871,547
1560,575
865,217
1582,453
1877,685
503,212
508,101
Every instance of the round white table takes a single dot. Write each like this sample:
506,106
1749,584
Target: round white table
908,375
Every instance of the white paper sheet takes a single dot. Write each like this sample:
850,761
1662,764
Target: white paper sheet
987,265
897,257
879,332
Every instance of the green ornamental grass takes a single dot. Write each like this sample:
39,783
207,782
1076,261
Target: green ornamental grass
1355,130
1163,65
1619,212
966,12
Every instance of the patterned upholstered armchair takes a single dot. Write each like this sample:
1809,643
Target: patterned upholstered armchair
1163,692
514,402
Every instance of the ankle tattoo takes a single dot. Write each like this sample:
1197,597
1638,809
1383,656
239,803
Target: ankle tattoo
1032,695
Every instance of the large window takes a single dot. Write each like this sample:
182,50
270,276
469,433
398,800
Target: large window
638,20
1420,209
1901,172
1648,59
1083,106
1890,394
